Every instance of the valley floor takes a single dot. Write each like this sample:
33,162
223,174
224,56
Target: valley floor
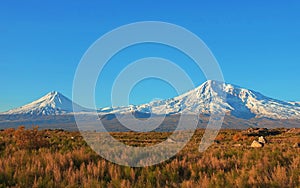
57,158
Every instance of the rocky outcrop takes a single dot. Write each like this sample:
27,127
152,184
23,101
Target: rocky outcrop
260,132
260,143
256,144
262,140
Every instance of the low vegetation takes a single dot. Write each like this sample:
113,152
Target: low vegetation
57,158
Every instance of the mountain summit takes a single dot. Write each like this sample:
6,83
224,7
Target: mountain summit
53,103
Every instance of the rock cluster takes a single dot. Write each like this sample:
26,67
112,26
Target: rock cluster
260,143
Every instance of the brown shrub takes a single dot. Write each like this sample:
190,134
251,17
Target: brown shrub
30,139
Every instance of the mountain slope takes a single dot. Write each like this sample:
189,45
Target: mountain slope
54,103
206,99
209,98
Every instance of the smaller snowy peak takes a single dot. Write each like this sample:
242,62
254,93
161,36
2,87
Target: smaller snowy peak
53,103
53,99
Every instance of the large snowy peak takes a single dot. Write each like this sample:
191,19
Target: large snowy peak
53,103
215,96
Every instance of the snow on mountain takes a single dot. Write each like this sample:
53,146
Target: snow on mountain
54,103
209,97
206,99
295,103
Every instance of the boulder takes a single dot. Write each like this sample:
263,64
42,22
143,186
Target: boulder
256,144
170,140
262,140
296,145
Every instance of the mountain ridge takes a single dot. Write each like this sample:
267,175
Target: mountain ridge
214,96
210,97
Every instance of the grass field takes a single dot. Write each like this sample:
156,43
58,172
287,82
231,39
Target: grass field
57,158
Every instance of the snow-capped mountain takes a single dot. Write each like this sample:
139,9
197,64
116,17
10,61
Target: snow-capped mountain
53,103
206,99
210,97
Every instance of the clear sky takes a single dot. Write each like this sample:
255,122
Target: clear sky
256,43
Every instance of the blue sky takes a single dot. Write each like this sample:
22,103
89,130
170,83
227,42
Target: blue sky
255,42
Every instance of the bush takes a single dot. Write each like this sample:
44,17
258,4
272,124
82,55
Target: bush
30,139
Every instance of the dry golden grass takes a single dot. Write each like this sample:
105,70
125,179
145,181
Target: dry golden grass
62,159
